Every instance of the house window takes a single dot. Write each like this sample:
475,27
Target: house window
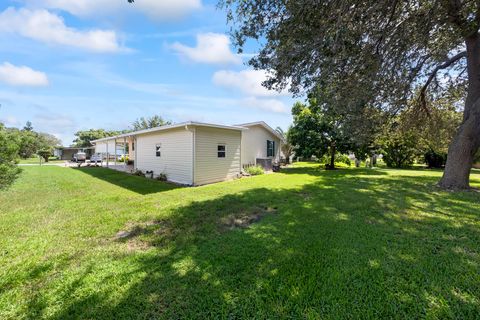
158,148
270,148
221,148
133,146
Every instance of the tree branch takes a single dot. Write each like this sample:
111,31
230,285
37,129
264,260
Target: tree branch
390,19
446,64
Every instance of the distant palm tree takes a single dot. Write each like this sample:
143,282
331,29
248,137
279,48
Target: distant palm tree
286,146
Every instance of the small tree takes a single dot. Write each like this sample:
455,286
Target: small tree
46,144
316,131
28,126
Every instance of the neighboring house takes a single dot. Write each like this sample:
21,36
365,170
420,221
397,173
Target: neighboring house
66,153
195,153
190,153
260,144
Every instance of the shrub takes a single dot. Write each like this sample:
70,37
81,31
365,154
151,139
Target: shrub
435,159
8,157
8,174
254,170
341,160
162,177
139,173
399,151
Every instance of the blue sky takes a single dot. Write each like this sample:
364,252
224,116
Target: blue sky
69,65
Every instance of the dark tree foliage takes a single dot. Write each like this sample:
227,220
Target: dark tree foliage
435,159
372,53
8,155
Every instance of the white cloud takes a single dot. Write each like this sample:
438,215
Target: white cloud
247,81
211,48
271,105
156,9
10,121
49,121
47,27
22,76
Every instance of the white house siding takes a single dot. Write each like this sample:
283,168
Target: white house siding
176,154
208,167
254,144
101,147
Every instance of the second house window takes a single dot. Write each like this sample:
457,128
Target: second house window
221,151
270,148
158,149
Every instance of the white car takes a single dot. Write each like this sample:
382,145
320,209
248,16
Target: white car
97,157
79,157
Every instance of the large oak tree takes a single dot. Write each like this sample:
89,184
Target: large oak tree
380,53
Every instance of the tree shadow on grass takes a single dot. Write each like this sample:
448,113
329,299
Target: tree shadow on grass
130,182
318,170
336,248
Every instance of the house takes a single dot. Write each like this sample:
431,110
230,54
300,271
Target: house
260,144
195,153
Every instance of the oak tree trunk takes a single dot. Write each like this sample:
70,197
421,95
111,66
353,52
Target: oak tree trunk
467,139
332,156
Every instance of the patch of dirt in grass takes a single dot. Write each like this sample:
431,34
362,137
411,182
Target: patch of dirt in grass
245,219
141,236
134,234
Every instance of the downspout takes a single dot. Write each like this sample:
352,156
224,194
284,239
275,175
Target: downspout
135,155
193,153
124,154
241,164
107,153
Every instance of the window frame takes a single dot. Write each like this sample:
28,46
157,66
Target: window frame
271,148
224,151
158,150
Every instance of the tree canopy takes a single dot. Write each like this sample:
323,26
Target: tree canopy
382,54
149,122
84,137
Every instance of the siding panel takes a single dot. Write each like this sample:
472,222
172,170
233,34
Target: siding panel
101,147
254,144
208,167
176,154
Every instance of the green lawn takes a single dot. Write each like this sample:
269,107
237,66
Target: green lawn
351,243
36,160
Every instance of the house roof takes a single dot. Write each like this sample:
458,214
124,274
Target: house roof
172,126
265,125
72,148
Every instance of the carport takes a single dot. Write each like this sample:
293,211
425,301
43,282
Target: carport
115,146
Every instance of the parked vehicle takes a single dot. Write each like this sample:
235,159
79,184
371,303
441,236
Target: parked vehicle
79,157
97,157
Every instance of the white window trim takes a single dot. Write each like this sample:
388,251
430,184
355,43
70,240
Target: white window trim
156,150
